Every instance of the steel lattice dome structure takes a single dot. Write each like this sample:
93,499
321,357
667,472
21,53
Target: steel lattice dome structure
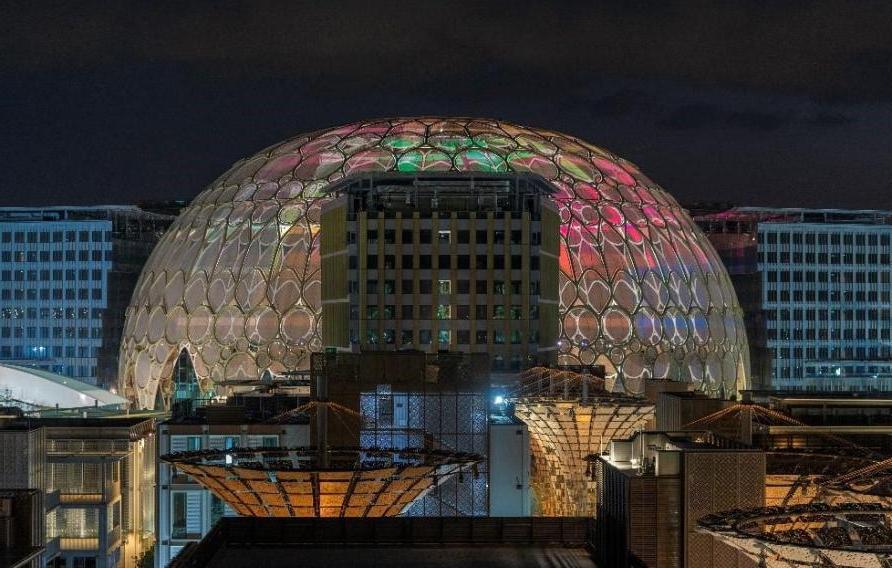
235,282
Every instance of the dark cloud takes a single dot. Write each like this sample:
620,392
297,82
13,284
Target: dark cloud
830,49
776,102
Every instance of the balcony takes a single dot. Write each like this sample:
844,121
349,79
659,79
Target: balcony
79,544
82,499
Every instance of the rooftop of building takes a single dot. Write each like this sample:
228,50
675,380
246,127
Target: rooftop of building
728,212
12,420
457,192
401,541
250,408
38,388
641,454
73,213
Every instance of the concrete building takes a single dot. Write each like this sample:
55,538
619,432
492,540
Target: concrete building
655,486
826,292
96,475
66,277
186,510
450,262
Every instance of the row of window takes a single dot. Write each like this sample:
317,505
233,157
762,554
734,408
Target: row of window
55,236
830,353
834,258
462,237
824,276
56,256
821,296
55,294
47,332
446,312
15,312
445,261
50,275
849,239
43,352
812,315
825,334
499,287
444,336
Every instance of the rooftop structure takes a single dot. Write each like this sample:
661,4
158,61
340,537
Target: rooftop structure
385,433
236,280
32,389
846,535
302,482
570,417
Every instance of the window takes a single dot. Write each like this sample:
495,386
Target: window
480,312
407,236
406,336
444,312
444,237
444,286
424,236
444,336
424,337
480,286
407,261
408,312
444,261
407,286
463,337
481,338
464,237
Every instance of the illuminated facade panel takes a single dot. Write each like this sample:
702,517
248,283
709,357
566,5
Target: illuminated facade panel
562,434
236,280
295,482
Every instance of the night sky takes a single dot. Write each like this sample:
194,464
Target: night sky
784,103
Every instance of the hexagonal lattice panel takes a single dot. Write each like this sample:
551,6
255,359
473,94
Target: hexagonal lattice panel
235,281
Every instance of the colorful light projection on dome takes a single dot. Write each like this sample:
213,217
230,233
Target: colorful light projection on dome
235,281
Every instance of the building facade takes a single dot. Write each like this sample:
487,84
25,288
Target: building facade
186,510
655,486
826,295
97,479
461,262
66,277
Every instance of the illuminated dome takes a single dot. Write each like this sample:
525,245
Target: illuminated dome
235,282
